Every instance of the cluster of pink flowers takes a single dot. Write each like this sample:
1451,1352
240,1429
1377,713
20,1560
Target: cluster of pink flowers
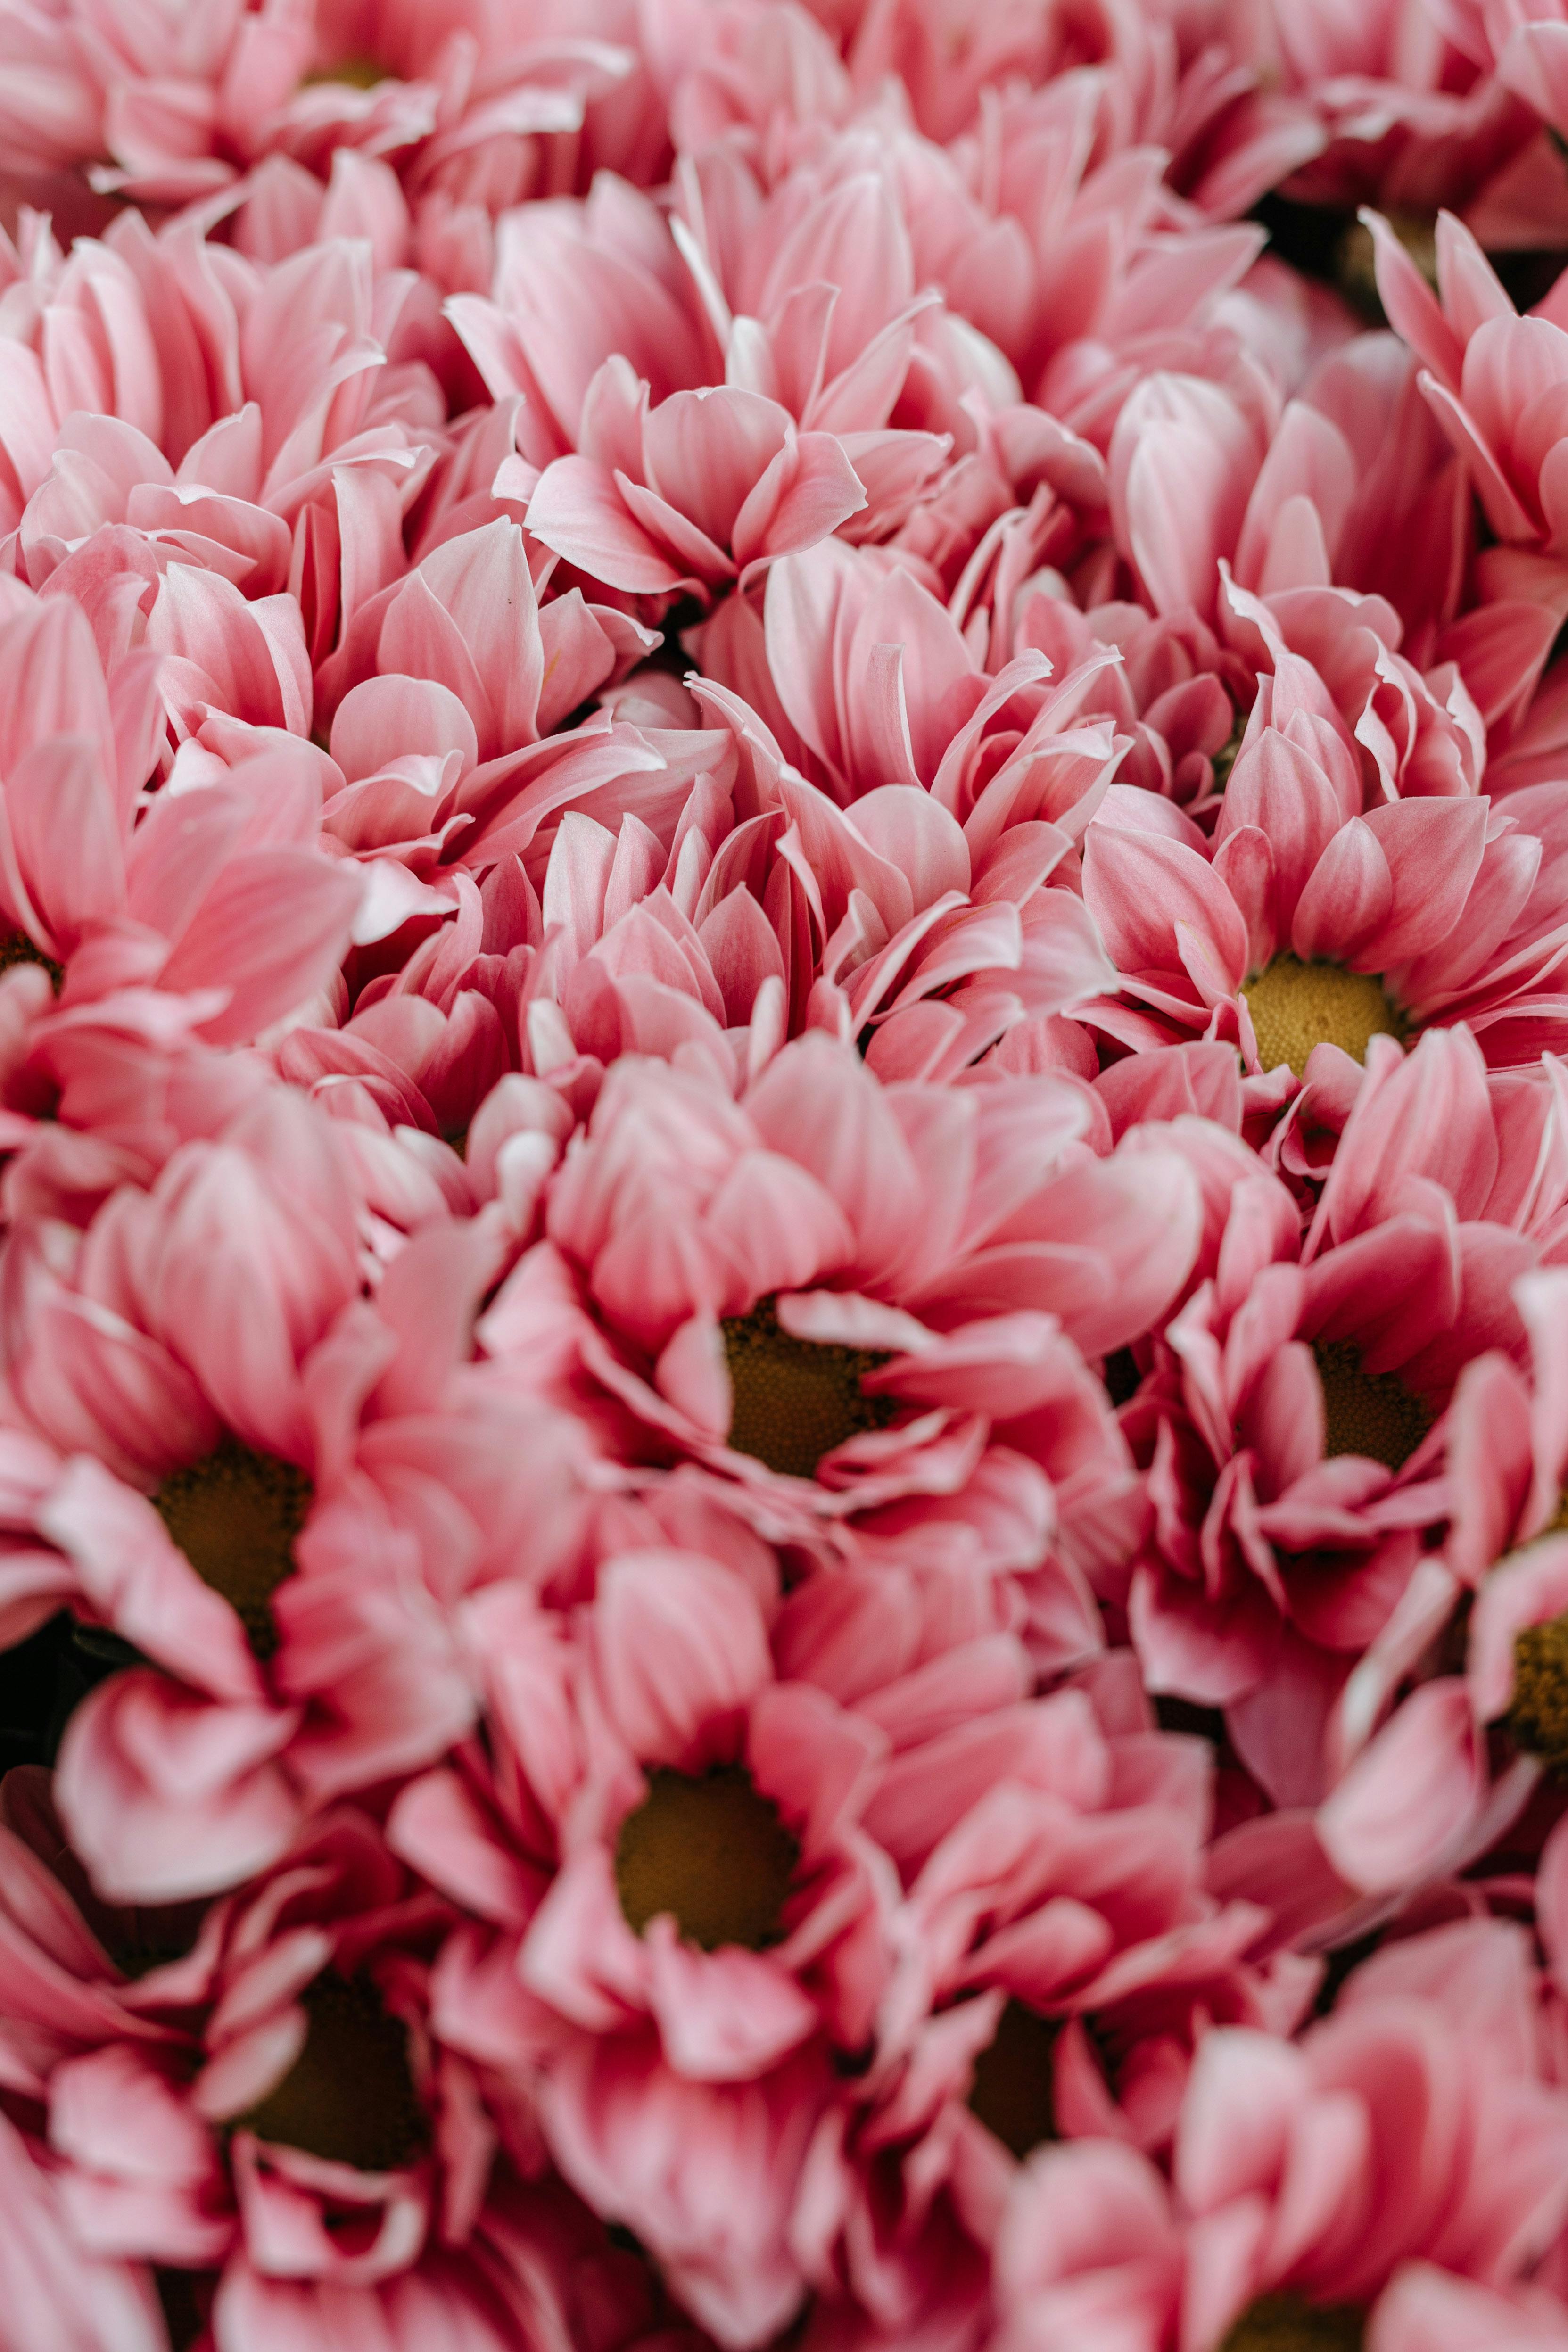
783,1176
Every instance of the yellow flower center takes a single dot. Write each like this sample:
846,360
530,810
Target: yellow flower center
711,1850
795,1399
1286,2322
349,2097
1296,1005
1013,2090
234,1515
1538,1715
16,948
1371,1413
360,73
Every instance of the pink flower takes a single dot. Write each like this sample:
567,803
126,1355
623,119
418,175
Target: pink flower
1494,380
448,698
1305,924
832,1236
1409,2126
179,109
208,416
1508,1439
789,358
427,1053
150,934
1209,473
668,2018
690,497
1105,83
1073,1909
1308,1448
1413,118
1439,1764
727,916
1064,247
219,898
1176,690
254,2090
738,67
257,1455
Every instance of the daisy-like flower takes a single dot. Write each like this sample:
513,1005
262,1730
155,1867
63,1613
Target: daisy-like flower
1438,1763
1308,1448
191,1385
250,2097
1410,2127
147,938
219,897
208,417
446,706
1307,924
833,1296
1415,118
684,1913
170,110
789,357
1058,1960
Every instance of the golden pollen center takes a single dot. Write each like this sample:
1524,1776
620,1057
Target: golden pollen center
360,73
16,948
713,1852
1538,1715
795,1399
234,1515
349,2097
1367,1412
1013,2090
1286,2322
1296,1005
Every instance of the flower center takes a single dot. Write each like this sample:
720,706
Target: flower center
1225,759
1355,265
16,948
1538,1715
150,1936
234,1515
795,1399
1371,1413
349,2097
713,1852
1285,2323
1296,1005
360,73
1013,2090
186,2298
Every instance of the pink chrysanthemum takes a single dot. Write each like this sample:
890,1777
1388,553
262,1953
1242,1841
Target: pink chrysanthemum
1306,924
1410,2127
251,2099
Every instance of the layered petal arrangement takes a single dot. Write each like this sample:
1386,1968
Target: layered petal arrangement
783,1176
